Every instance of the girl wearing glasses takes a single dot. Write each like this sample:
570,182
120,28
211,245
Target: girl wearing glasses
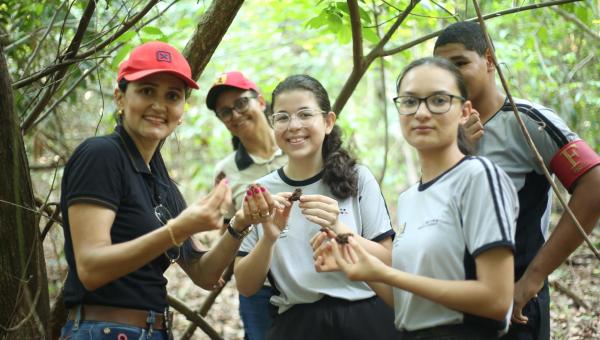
238,104
125,221
338,196
452,261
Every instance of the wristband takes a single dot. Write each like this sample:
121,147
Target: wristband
572,161
238,235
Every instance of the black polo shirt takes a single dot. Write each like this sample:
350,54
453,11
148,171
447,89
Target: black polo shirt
109,171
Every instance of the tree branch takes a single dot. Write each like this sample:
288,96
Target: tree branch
358,71
179,306
355,24
208,34
584,28
77,58
487,16
58,77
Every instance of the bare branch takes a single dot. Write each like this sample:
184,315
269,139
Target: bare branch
358,71
584,28
41,41
207,304
388,35
193,317
487,16
208,34
58,77
77,58
355,24
446,10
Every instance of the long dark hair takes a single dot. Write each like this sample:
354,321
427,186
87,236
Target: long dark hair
339,172
463,144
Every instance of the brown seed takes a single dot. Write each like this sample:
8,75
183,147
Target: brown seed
295,195
342,238
219,177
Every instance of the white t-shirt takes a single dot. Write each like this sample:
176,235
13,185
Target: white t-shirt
444,225
292,267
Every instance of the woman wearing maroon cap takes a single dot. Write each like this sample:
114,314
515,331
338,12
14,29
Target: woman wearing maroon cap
238,104
126,221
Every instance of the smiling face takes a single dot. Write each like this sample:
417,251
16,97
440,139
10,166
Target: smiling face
302,140
243,123
152,107
423,130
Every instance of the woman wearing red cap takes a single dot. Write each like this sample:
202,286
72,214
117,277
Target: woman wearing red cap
126,221
239,105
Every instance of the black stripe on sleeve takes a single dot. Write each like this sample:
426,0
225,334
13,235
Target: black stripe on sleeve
94,201
494,198
553,131
503,201
390,233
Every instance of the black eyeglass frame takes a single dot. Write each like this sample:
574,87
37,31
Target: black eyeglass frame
425,99
226,116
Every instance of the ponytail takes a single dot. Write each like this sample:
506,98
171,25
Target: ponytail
339,171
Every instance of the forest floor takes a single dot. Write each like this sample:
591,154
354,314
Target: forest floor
579,276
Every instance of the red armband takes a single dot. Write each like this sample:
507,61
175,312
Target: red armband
572,161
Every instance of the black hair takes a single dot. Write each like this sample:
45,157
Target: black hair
339,171
468,33
463,144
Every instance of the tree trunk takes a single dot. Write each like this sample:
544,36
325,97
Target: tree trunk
211,28
24,306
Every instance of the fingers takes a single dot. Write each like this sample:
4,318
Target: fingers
517,315
319,209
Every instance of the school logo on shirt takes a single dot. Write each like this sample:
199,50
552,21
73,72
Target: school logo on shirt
429,223
284,232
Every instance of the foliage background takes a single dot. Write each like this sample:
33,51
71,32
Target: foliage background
548,57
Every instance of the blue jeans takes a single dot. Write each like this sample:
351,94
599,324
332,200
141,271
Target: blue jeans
255,312
88,330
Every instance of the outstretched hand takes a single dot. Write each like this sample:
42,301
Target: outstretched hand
206,213
322,251
356,262
260,206
321,210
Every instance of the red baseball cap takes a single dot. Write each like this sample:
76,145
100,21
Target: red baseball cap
233,79
155,57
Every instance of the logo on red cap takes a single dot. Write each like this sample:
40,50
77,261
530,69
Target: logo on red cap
222,79
163,56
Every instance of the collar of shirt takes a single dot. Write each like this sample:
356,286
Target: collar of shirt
134,155
243,159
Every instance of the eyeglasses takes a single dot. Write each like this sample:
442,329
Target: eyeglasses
436,103
164,215
281,120
240,105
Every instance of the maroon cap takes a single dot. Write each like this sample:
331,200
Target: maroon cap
233,79
155,57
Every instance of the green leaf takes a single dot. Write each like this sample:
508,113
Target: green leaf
127,36
151,30
370,35
121,54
